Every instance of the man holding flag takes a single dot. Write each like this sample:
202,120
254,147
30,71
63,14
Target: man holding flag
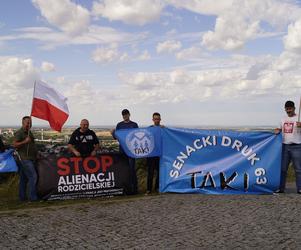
25,145
128,124
291,145
47,104
153,162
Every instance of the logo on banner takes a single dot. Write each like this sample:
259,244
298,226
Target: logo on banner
140,143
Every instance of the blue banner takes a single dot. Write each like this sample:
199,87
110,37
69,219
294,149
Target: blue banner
7,162
219,162
140,142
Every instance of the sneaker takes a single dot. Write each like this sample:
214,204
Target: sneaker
147,192
278,191
299,192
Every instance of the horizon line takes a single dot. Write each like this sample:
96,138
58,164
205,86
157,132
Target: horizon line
144,125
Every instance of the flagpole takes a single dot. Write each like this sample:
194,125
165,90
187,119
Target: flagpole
34,88
299,110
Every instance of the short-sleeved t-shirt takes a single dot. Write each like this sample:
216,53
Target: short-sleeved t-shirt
84,142
290,132
26,151
125,125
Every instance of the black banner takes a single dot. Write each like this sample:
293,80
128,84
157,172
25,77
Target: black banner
66,177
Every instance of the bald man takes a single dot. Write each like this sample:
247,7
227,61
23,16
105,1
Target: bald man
83,141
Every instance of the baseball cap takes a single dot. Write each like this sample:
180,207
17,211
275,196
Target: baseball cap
125,112
289,104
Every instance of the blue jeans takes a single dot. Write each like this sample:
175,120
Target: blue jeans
28,175
291,153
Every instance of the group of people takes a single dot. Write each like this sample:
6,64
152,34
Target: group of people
84,142
152,162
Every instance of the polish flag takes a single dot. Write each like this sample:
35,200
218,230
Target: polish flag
49,105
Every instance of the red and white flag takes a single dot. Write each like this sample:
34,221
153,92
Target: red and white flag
49,105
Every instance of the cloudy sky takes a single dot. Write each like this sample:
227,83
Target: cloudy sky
197,62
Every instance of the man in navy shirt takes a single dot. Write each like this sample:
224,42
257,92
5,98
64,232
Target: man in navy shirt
128,124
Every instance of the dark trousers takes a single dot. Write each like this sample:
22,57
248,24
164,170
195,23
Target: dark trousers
291,153
133,175
152,166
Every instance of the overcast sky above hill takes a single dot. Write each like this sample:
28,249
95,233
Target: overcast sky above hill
197,62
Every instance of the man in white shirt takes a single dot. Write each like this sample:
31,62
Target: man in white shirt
291,145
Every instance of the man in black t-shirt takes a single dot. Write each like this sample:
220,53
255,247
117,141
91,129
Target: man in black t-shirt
83,141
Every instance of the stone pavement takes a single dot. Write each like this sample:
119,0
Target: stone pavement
167,221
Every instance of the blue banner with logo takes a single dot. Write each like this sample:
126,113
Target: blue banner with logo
140,142
7,162
219,162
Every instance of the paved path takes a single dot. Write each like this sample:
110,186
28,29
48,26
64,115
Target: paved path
169,221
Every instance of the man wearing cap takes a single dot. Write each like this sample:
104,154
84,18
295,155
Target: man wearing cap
291,145
83,141
128,124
